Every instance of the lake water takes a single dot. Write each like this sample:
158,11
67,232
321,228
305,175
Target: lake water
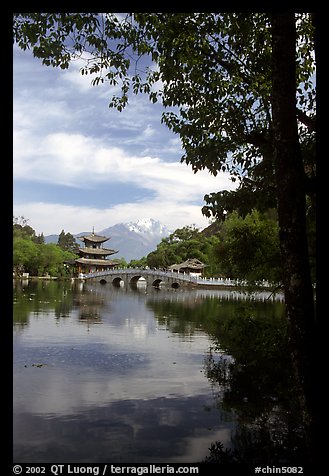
105,374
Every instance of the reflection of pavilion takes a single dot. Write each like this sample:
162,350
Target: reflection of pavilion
93,257
89,306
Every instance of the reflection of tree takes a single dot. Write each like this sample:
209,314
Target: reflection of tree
60,297
41,296
186,313
250,368
64,305
183,316
257,384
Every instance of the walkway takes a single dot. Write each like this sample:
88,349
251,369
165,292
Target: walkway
154,277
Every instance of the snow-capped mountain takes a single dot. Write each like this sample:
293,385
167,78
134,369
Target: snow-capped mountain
149,226
132,240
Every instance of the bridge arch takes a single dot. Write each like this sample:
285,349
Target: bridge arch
151,277
156,282
117,281
134,279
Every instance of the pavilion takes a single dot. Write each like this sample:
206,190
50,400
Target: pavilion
93,257
191,266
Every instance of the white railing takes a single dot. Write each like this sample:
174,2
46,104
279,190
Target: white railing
141,272
222,281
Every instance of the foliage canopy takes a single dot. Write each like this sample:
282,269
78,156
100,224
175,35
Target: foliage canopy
212,72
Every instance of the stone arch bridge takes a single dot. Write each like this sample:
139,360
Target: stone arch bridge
152,277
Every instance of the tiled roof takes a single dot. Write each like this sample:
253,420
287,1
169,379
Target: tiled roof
191,263
100,262
94,238
97,251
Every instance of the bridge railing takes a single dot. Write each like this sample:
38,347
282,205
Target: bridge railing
141,272
179,276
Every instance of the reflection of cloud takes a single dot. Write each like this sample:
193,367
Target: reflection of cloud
101,377
140,331
121,390
135,431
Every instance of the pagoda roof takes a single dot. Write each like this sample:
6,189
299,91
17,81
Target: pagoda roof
100,262
94,238
97,251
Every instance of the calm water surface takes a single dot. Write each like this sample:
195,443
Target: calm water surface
105,374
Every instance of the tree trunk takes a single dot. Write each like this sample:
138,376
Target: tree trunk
290,181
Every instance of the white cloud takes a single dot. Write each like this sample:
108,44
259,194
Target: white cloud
148,131
77,160
51,218
177,193
64,134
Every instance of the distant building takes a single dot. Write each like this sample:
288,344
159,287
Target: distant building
93,257
192,266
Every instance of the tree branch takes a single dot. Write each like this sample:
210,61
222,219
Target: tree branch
309,122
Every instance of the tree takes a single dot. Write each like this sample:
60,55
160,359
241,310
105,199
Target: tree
243,86
51,258
67,242
25,253
249,248
182,234
23,230
134,263
290,178
32,255
182,244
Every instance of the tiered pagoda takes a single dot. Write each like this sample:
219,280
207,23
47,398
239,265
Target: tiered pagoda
93,257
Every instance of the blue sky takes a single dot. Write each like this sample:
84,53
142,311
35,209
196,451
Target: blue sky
79,164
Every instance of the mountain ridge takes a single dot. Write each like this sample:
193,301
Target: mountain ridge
132,240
